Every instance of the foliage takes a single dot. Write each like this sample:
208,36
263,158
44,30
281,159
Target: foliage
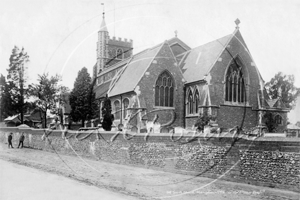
203,120
270,122
82,98
107,117
16,80
6,109
47,94
287,91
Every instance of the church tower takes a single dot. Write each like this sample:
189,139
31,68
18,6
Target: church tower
110,50
102,46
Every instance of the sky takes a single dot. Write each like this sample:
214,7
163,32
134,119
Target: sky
60,35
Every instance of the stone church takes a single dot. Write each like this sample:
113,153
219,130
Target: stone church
171,83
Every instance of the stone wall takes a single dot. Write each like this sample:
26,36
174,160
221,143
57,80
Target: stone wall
272,162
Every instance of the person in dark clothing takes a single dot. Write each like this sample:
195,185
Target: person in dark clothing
9,141
21,140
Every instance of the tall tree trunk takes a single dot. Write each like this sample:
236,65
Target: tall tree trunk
45,119
22,96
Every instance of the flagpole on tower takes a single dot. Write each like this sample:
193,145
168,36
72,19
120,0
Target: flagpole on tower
103,10
114,20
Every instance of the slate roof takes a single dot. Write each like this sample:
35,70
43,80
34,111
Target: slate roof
15,118
272,102
198,61
266,103
135,69
102,89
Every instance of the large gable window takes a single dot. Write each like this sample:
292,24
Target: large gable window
164,90
235,90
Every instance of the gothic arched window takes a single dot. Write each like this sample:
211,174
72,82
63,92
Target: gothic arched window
235,90
120,54
164,90
117,109
196,101
189,105
125,106
278,119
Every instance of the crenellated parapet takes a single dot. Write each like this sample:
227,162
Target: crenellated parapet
122,42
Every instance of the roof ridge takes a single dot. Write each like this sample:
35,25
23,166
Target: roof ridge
114,66
231,34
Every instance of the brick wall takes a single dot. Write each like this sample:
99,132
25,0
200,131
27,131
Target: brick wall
230,116
272,162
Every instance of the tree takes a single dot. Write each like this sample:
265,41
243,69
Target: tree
107,117
47,94
16,79
203,120
283,85
82,98
5,99
270,122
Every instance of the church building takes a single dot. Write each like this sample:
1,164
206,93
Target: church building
171,83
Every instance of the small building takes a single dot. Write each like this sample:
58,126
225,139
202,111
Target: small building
293,130
15,120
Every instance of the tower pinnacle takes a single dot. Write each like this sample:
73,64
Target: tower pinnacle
103,24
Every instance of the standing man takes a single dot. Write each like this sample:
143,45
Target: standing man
9,140
21,140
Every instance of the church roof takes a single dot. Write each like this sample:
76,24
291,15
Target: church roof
197,62
133,72
102,89
270,104
176,40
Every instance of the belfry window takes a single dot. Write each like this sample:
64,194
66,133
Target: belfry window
120,54
235,90
164,90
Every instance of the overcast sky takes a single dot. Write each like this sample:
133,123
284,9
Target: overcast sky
60,35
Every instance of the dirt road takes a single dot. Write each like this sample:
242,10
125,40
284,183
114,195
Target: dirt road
136,182
20,182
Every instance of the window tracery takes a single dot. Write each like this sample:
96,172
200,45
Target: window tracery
164,90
